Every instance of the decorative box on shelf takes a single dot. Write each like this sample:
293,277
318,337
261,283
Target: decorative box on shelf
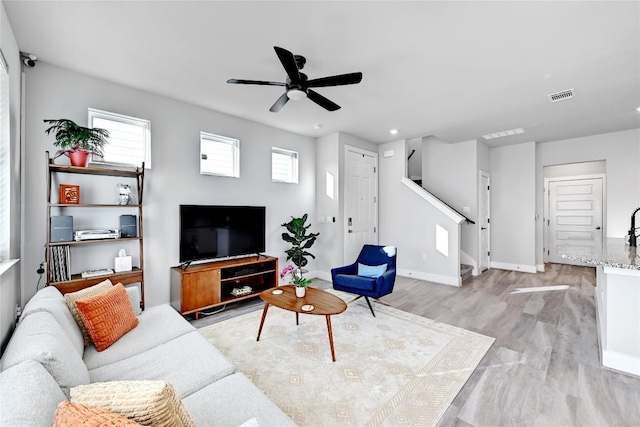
69,194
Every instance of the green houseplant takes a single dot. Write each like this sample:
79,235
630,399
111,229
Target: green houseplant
76,141
300,240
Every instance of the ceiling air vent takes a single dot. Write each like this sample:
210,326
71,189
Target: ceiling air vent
561,96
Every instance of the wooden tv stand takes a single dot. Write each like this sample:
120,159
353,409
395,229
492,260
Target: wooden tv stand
203,286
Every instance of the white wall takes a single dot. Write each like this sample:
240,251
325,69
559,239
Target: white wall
621,151
513,185
414,164
327,160
10,280
450,172
408,222
54,92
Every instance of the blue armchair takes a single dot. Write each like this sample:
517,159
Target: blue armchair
372,275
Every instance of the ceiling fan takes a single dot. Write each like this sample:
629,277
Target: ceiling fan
297,84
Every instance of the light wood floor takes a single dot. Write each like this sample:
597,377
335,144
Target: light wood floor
542,370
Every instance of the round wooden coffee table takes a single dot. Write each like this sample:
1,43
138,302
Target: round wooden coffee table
324,304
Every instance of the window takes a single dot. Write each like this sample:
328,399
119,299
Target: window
129,137
219,155
284,165
5,163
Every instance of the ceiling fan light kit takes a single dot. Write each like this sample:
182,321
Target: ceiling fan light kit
298,86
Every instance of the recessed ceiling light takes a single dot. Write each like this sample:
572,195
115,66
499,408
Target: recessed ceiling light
393,131
638,109
503,133
317,126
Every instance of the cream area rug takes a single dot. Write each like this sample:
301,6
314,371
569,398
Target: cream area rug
393,369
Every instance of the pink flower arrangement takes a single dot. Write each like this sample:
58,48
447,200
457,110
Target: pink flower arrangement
296,276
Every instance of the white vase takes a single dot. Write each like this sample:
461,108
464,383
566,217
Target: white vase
301,291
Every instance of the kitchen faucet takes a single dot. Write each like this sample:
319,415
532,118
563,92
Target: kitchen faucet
632,232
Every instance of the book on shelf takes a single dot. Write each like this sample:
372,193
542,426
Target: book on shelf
60,263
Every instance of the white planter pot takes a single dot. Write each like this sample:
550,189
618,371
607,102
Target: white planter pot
301,292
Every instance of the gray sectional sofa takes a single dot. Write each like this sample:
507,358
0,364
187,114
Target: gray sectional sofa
46,357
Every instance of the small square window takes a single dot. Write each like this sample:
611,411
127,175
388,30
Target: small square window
129,138
284,165
219,155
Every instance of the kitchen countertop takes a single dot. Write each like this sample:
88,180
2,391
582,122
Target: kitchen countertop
614,253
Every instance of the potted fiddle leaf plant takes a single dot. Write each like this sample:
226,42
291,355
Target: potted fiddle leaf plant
77,142
301,240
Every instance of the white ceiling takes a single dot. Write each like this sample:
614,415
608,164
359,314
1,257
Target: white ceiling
456,70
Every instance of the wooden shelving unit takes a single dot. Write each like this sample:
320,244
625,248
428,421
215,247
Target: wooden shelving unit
209,285
77,282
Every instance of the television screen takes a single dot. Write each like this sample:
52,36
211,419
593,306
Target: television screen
220,231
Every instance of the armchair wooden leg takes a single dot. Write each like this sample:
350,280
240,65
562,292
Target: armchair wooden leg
370,308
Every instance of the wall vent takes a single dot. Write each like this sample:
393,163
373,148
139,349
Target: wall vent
562,95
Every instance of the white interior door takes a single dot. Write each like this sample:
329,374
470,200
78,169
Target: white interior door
484,222
360,201
575,215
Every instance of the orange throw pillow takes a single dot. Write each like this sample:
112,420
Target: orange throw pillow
76,415
107,316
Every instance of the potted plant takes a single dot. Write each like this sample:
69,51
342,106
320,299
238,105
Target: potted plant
297,279
300,241
76,141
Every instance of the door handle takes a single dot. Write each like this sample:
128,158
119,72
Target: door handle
483,228
349,231
597,228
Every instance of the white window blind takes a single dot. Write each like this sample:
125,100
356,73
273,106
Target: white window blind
219,155
5,163
129,137
284,165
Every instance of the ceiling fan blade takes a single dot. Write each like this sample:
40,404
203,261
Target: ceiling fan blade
279,103
289,64
340,80
322,101
255,82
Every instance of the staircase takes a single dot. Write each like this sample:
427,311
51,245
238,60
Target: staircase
465,271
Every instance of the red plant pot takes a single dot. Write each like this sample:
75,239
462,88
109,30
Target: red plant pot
79,158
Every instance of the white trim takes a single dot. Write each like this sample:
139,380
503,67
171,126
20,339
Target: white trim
6,265
514,267
621,362
546,209
293,172
453,215
345,223
130,120
429,277
540,268
481,174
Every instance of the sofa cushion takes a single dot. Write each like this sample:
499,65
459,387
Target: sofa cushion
107,316
70,414
58,308
29,395
374,271
157,325
47,292
232,401
153,403
39,337
355,282
72,297
188,362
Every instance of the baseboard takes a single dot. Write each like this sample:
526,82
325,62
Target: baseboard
540,268
514,267
621,362
429,277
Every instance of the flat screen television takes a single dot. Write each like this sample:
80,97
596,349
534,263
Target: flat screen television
208,232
